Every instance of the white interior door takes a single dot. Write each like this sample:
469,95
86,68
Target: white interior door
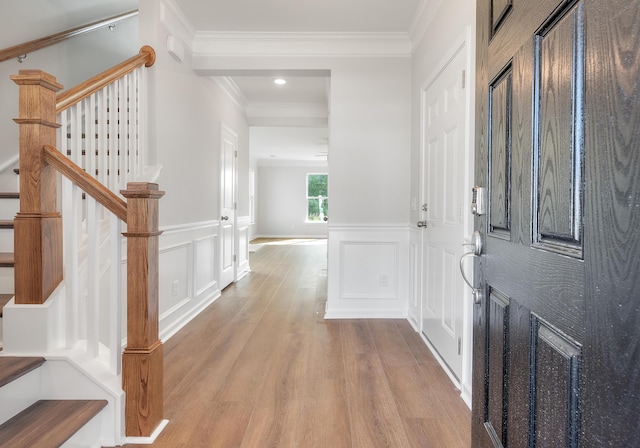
228,206
443,180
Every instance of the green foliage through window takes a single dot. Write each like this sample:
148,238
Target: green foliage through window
317,201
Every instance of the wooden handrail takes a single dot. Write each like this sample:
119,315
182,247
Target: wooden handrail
146,57
37,44
88,184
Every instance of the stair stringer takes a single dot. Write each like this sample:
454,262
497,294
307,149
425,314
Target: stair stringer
38,330
70,375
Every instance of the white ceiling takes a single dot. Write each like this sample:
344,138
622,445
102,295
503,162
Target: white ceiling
273,141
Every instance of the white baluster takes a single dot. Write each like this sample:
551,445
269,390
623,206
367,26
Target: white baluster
115,296
90,135
93,268
71,195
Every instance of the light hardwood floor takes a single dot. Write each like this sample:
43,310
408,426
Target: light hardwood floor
261,368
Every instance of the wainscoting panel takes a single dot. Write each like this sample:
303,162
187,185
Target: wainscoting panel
242,250
368,272
415,280
187,277
173,278
205,266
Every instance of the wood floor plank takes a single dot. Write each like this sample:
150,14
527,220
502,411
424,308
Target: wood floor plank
261,367
390,344
432,433
324,420
374,418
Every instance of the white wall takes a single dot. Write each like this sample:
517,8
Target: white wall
369,162
70,61
189,110
187,113
282,202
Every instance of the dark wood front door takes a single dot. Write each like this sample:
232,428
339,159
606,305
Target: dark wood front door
557,333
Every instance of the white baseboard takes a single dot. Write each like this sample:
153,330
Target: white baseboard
147,440
361,314
177,325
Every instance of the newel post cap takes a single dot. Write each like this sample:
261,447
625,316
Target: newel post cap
37,77
142,190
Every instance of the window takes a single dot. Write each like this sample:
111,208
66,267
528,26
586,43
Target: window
317,201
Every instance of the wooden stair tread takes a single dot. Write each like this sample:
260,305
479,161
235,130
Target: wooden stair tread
12,367
48,423
4,299
9,195
6,259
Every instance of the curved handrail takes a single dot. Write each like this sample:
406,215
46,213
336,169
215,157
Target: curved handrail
37,44
88,184
146,57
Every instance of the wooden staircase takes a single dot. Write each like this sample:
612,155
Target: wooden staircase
44,423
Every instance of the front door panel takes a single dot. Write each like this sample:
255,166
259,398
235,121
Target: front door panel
558,148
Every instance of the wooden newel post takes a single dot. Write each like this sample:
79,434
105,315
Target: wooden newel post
142,358
38,224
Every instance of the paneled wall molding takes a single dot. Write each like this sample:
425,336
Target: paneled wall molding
368,272
370,227
187,279
242,249
180,228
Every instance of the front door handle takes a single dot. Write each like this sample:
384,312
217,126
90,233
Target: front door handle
477,251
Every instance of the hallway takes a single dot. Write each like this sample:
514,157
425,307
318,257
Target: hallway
262,368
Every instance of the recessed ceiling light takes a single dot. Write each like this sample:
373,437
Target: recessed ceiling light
280,81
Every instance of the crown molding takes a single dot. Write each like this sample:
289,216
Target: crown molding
172,17
232,90
252,44
288,114
422,20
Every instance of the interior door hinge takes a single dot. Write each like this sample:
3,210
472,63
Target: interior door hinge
464,78
235,153
235,206
459,346
234,258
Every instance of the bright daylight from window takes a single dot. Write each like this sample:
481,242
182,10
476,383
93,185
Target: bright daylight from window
317,201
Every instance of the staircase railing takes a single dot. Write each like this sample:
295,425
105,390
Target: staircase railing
43,42
107,107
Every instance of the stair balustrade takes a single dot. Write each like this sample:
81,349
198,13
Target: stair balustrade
93,135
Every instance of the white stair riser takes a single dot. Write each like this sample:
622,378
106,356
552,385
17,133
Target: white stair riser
6,240
86,437
20,394
6,279
9,208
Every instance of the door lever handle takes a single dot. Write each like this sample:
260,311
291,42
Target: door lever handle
225,218
477,251
422,223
